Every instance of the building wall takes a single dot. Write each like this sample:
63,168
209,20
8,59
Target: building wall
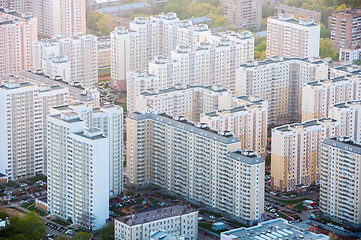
317,97
289,38
298,13
295,154
243,14
340,181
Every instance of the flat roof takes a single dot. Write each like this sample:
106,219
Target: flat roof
332,80
343,143
176,89
273,229
74,120
186,125
347,104
314,122
155,215
91,130
246,156
275,59
290,19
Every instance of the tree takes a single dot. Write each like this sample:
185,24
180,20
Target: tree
107,232
333,236
29,227
82,236
92,18
105,24
327,49
341,7
357,62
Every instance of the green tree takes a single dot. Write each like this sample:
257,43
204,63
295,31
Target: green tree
82,236
327,49
341,7
106,232
357,62
261,47
92,18
324,32
30,227
105,24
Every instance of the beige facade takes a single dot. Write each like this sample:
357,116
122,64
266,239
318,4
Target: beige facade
17,35
245,14
196,162
340,186
287,37
24,110
188,101
295,159
318,96
247,120
348,114
298,13
279,81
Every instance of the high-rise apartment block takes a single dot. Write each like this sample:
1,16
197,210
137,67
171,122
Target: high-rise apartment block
248,121
279,81
296,152
345,28
81,52
340,186
196,162
348,115
24,107
110,120
21,6
181,221
245,14
188,101
287,37
201,54
318,96
78,171
17,35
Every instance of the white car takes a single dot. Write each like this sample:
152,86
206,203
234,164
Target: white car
212,217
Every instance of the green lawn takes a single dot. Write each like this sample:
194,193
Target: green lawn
210,213
37,178
208,226
282,215
291,201
300,207
61,222
11,184
38,211
268,161
26,205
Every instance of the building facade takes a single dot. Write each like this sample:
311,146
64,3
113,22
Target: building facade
180,221
279,81
17,35
188,101
298,13
243,14
23,152
81,52
340,186
290,38
318,96
348,115
345,28
78,171
109,119
196,162
247,120
296,152
349,55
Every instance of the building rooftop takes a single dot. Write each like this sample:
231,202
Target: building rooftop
246,156
275,59
198,20
344,143
347,104
311,123
155,215
332,80
181,122
290,19
182,88
273,229
70,117
300,10
126,7
14,84
92,134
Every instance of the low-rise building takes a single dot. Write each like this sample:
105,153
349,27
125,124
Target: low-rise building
179,221
273,229
349,55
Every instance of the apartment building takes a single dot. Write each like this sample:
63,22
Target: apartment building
17,35
23,130
340,186
196,162
247,120
76,92
80,51
132,49
344,70
180,221
168,72
21,6
298,13
57,67
279,81
348,115
345,28
349,55
189,101
318,96
296,153
245,14
78,171
290,38
103,52
109,119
